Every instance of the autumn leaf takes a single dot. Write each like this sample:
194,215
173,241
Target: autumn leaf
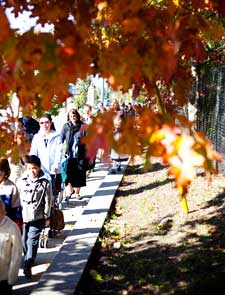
147,46
131,25
5,31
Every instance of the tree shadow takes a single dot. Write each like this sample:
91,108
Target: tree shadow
192,265
218,201
138,190
141,169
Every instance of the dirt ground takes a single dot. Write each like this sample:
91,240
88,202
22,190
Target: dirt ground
150,246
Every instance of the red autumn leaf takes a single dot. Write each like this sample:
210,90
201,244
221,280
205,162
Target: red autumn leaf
131,42
200,51
5,31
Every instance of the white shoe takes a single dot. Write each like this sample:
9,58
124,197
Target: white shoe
78,197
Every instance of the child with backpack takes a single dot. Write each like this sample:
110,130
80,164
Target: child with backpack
36,200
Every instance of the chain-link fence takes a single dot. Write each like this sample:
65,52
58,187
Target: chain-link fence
209,93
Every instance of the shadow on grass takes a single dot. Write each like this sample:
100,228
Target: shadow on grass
140,169
193,265
143,188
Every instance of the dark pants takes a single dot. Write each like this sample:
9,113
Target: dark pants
56,184
30,239
5,288
76,173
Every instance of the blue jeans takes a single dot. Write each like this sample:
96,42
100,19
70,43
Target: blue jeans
30,239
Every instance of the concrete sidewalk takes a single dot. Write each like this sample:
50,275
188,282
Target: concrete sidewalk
59,267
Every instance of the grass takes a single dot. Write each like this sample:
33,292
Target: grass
184,255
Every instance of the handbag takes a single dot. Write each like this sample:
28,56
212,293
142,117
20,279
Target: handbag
57,222
89,164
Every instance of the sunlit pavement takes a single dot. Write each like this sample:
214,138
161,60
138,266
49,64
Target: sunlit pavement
72,212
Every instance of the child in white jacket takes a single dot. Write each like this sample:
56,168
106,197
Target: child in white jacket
10,251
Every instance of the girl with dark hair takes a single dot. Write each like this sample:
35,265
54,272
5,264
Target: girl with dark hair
72,134
9,193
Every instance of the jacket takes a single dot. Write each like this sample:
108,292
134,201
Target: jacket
30,127
10,196
50,155
71,134
10,251
35,196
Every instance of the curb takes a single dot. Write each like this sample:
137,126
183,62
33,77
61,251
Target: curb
66,269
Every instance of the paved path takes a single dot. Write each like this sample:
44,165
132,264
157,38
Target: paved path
72,212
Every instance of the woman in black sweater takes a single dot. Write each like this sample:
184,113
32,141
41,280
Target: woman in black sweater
72,133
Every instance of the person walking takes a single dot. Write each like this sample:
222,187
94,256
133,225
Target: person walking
10,252
101,108
36,199
47,145
116,157
88,116
30,126
72,133
9,194
130,111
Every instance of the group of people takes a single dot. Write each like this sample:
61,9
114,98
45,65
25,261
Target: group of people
25,203
24,208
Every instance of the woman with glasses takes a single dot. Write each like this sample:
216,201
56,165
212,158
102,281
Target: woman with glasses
47,145
72,133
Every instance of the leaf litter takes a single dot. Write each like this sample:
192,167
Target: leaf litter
161,249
